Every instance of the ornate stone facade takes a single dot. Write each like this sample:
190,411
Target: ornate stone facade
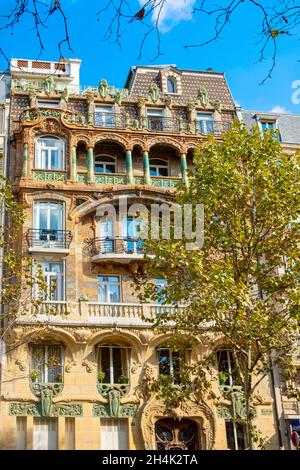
83,327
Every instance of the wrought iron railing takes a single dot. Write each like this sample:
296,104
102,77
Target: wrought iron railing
48,238
211,127
116,245
162,124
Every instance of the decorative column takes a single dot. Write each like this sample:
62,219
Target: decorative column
74,164
183,166
25,160
147,179
90,162
129,167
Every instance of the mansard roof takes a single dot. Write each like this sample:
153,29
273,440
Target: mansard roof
140,79
287,124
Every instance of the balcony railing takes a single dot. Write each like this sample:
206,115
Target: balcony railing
162,124
116,245
51,307
48,238
151,123
210,127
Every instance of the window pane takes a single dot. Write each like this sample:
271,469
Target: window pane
114,293
38,362
102,288
230,435
164,361
54,363
176,366
117,364
163,171
105,364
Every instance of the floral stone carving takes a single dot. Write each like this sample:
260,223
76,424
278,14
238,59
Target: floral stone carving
237,408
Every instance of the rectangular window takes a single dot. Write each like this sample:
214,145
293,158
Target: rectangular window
226,368
205,123
50,153
114,363
54,277
236,435
156,121
45,434
114,434
46,363
109,289
271,125
104,116
21,422
170,363
48,104
48,225
70,433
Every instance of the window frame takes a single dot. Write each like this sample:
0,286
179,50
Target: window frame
174,86
183,358
39,148
102,118
44,366
107,283
53,104
158,166
229,360
114,162
235,424
111,348
49,275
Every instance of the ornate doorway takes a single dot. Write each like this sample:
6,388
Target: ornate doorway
172,434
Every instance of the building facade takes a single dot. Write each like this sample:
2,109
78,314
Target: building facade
78,368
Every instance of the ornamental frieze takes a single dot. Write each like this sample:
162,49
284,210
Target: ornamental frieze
68,410
122,411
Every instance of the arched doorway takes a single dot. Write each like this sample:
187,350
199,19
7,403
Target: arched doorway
172,434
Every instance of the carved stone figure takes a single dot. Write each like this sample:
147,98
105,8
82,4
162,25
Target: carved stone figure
114,403
103,88
203,96
118,98
49,85
46,401
154,92
169,101
217,106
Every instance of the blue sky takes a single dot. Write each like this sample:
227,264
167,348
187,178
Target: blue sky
236,53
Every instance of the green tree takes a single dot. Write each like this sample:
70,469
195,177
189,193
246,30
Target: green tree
244,282
19,273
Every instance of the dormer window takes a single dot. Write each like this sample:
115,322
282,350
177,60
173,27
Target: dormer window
171,85
271,125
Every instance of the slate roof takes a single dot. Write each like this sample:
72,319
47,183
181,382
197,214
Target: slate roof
141,77
288,124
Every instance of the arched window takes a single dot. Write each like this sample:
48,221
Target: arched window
171,85
49,153
113,364
158,167
105,164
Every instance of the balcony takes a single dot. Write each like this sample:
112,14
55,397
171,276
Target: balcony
48,240
155,124
94,313
118,249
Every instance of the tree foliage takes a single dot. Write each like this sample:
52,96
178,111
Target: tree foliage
243,285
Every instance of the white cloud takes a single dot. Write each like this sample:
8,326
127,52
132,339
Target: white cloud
279,109
172,13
